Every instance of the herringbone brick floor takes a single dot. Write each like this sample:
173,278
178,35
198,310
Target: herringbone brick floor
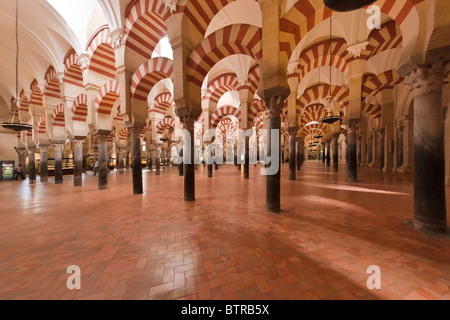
223,246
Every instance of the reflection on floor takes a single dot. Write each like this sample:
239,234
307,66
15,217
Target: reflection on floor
223,246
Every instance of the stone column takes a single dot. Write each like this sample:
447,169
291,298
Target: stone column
121,159
158,160
136,158
408,146
189,168
247,157
429,166
44,162
359,150
328,159
58,147
274,103
336,152
78,162
103,169
351,155
447,148
31,164
292,153
21,151
399,147
381,142
181,165
324,156
298,160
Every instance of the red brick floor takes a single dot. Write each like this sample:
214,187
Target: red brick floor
223,246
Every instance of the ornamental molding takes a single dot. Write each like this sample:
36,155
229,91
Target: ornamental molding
358,48
171,5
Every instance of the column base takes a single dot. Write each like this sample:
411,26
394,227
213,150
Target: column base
430,225
273,208
406,169
388,169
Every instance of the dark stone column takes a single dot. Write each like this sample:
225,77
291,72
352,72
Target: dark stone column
429,165
302,152
158,161
336,152
328,153
120,160
274,101
181,165
189,168
381,141
21,152
59,147
324,156
399,147
247,158
44,162
282,155
78,162
136,158
292,153
32,164
359,151
103,169
84,164
127,163
370,160
351,154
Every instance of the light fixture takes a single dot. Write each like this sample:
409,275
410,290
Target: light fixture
330,119
11,124
347,5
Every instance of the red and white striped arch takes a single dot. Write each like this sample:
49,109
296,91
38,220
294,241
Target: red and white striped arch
149,74
101,53
145,26
373,84
163,102
222,112
233,39
372,110
24,103
80,108
106,97
319,55
253,79
41,125
36,94
123,134
221,85
58,118
258,121
322,91
313,112
52,88
226,129
306,14
256,108
72,71
165,123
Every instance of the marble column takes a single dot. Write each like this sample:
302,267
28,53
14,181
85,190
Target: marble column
298,160
336,152
181,165
21,152
324,156
429,165
121,159
136,158
78,162
158,161
103,169
274,103
127,162
399,147
31,164
58,147
328,159
408,146
189,166
351,154
381,142
247,158
359,150
44,162
292,153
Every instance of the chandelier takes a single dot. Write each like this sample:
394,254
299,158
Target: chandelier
12,124
347,5
330,119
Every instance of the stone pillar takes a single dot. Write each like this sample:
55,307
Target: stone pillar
381,142
158,160
44,162
103,169
408,146
323,153
127,162
136,158
352,156
31,164
78,162
292,155
328,159
429,166
21,151
247,157
359,150
399,147
181,165
58,147
189,168
447,148
274,104
336,152
298,160
121,159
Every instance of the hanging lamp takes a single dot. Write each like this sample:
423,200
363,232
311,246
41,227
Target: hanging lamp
330,119
12,124
346,5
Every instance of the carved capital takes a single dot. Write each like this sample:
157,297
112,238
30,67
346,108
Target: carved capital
358,48
189,121
58,146
78,143
117,37
293,131
84,61
353,125
428,79
43,148
103,135
60,77
136,132
171,5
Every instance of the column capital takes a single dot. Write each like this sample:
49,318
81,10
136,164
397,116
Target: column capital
381,131
336,136
274,100
43,148
58,146
78,143
353,125
135,131
103,135
293,131
427,79
357,48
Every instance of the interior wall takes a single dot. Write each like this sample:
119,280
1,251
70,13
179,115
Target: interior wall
7,143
